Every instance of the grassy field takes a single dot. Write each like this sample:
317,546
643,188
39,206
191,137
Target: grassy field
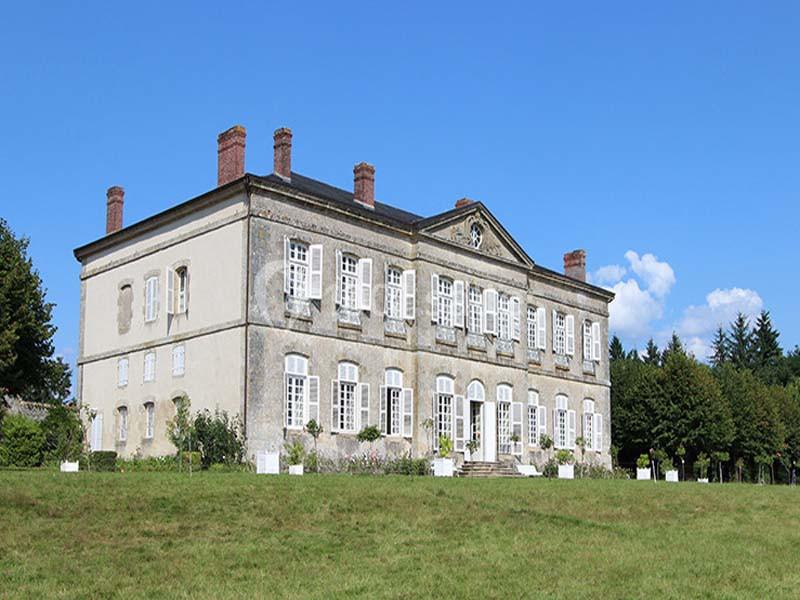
161,535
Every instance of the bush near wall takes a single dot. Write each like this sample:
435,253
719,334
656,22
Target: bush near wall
21,442
102,460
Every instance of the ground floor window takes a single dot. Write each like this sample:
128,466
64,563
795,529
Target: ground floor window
444,416
123,424
504,427
150,420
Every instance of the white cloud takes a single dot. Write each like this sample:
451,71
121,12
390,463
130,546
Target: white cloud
658,275
608,275
720,309
633,309
700,347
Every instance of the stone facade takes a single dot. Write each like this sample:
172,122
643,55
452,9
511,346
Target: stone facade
240,324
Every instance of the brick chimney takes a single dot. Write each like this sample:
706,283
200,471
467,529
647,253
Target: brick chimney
364,184
464,202
230,154
575,264
115,198
283,153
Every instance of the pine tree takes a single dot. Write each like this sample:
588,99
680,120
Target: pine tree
767,353
615,349
27,366
740,347
719,354
675,346
652,356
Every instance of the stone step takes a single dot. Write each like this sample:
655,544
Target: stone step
483,469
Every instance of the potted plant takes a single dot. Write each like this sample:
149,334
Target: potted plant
669,471
566,467
295,452
701,468
443,464
545,442
473,445
314,429
643,468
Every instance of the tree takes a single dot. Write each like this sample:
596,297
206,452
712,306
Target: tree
651,354
615,349
768,361
635,393
719,348
27,365
740,347
675,346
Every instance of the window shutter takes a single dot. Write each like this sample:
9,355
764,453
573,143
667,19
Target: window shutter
541,421
596,347
435,416
169,277
458,424
598,432
97,432
365,283
383,409
286,264
335,405
490,311
571,429
386,290
556,437
541,329
434,298
313,399
555,317
516,427
408,412
286,400
516,325
315,287
409,294
570,327
363,394
458,291
338,278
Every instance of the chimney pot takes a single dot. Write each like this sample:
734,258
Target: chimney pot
364,184
464,202
230,154
282,166
575,265
115,199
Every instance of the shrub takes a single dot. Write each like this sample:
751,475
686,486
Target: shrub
643,462
550,468
545,441
445,446
701,466
63,434
192,459
220,439
564,457
103,460
295,451
21,442
405,465
149,464
666,465
368,434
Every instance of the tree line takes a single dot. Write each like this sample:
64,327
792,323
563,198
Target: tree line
741,411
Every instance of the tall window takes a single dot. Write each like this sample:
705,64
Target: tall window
536,419
349,282
591,341
592,426
298,270
178,360
344,409
296,369
183,289
151,299
150,366
475,310
503,317
123,424
122,372
394,293
445,296
559,333
531,327
150,420
391,403
563,424
444,408
504,398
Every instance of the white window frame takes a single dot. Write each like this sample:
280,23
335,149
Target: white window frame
503,317
537,419
178,360
122,415
445,301
123,371
475,310
531,328
592,426
348,282
393,292
295,390
150,420
149,370
559,333
345,409
298,271
391,413
151,299
444,408
182,276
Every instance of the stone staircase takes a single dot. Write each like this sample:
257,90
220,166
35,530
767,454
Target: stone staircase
488,469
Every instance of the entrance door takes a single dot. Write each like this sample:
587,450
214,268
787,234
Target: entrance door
489,441
475,429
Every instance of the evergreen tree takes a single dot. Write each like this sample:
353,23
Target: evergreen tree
740,347
615,349
719,348
767,353
27,366
675,346
651,355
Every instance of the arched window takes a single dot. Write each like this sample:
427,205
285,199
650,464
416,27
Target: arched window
347,392
391,403
182,301
592,426
296,390
150,420
563,424
537,419
505,395
122,413
445,386
476,391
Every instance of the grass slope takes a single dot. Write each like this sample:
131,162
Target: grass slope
145,535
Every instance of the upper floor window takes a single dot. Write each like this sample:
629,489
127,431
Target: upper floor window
125,306
178,360
177,290
503,317
122,434
537,328
447,301
302,270
394,293
563,333
354,282
475,235
122,371
591,341
150,420
183,290
151,298
301,393
475,310
150,366
350,400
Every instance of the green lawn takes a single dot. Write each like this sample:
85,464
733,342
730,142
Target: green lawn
218,535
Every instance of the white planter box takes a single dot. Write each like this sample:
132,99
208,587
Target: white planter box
268,463
703,480
566,471
443,467
671,476
642,474
295,469
69,467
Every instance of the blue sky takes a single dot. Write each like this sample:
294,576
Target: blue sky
662,138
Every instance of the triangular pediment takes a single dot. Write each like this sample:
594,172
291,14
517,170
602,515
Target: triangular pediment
461,226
